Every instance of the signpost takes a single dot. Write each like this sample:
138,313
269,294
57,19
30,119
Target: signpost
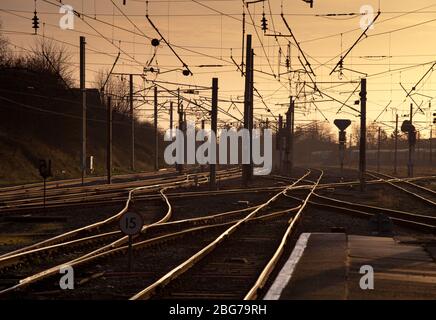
342,124
131,224
409,128
45,172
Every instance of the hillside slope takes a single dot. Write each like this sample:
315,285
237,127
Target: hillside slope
40,118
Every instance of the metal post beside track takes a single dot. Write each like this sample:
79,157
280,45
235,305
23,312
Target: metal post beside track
362,146
214,118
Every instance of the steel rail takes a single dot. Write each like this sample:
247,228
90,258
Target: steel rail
66,182
76,263
60,186
93,226
96,193
393,182
432,192
23,256
401,218
187,264
17,254
195,193
86,190
374,209
271,265
56,190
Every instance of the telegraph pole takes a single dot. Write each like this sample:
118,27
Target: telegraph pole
179,166
247,106
396,144
431,149
132,123
287,140
203,127
378,149
362,151
156,133
251,114
291,134
279,141
83,92
109,141
431,134
171,117
214,120
410,134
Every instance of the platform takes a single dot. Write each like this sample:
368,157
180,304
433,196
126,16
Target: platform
327,265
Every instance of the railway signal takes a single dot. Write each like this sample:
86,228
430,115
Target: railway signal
45,173
409,128
131,224
342,125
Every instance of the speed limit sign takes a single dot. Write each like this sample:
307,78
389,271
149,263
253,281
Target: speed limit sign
131,223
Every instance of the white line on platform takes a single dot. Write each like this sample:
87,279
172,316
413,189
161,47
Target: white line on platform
285,274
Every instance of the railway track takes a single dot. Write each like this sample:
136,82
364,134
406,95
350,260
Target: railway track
60,195
421,193
158,234
415,221
214,248
51,184
113,199
81,238
230,264
88,232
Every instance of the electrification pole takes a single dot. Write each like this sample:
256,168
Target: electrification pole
132,124
378,149
410,136
156,133
291,134
83,93
109,141
171,116
179,166
247,106
396,144
214,120
431,147
362,151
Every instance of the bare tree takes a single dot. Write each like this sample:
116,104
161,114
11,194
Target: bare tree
372,135
5,52
117,87
316,131
48,57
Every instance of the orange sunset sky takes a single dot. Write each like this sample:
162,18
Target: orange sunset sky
399,49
